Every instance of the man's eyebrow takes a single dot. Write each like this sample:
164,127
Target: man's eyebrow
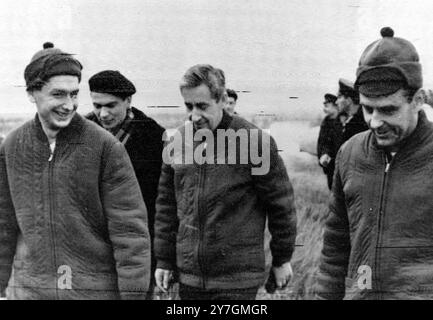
58,90
64,91
390,106
109,104
197,104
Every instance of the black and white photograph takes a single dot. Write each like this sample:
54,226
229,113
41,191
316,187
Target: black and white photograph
197,150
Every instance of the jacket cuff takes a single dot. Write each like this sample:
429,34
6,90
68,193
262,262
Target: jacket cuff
161,264
279,261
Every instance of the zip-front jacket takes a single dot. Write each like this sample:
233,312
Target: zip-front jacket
73,224
210,218
378,241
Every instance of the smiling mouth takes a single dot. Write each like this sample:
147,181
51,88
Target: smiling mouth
199,124
107,122
63,114
384,134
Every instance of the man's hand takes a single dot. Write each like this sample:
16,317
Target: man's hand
325,160
283,275
164,279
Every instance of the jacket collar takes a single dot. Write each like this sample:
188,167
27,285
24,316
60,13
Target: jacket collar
71,134
225,121
139,116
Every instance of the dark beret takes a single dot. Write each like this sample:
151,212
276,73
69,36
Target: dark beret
48,63
388,65
330,98
111,82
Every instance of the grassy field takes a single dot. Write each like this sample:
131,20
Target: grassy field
311,197
9,123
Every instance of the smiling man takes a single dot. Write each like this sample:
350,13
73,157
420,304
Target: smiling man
73,224
210,218
378,241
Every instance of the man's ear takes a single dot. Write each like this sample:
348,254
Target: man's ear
31,96
224,97
419,97
128,101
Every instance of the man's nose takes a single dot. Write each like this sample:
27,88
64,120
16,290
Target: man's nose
376,120
70,103
103,113
195,115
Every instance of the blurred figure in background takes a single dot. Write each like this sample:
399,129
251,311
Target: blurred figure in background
232,98
350,120
424,97
326,147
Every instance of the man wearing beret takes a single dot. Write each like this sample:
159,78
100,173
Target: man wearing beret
111,94
326,147
73,224
378,240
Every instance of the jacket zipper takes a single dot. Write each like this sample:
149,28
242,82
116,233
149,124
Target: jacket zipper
51,215
200,217
379,225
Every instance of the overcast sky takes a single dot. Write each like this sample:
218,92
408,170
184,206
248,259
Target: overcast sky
274,48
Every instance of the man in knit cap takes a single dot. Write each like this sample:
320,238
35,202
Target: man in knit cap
73,224
378,241
111,94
